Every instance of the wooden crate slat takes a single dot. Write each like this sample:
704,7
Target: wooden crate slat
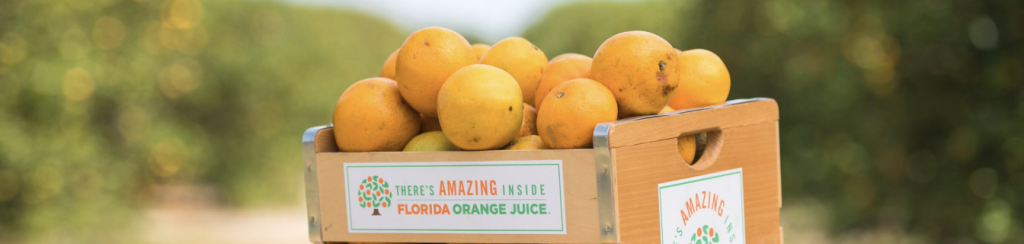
658,128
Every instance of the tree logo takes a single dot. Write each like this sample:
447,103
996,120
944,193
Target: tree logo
704,235
374,193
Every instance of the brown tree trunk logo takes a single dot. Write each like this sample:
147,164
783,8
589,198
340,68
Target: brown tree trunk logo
374,193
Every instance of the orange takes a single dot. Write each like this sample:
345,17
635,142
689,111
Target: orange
480,107
571,111
427,58
430,141
640,69
371,116
687,146
703,80
428,124
562,68
666,110
531,142
521,59
529,121
565,55
480,49
388,71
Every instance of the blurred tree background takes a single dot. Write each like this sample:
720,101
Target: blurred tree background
105,103
904,116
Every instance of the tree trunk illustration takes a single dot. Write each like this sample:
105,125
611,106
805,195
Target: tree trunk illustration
374,193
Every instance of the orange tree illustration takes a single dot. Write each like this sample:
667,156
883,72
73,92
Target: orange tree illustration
374,193
704,235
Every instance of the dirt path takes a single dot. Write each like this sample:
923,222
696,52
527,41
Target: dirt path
200,226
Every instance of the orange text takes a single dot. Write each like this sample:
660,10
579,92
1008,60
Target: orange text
468,188
423,209
701,201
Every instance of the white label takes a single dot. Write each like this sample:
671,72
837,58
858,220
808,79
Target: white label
706,209
490,197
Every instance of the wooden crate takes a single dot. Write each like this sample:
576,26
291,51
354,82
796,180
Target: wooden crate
611,193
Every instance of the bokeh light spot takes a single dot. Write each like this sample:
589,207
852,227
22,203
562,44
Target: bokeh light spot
877,56
983,182
995,221
78,84
875,52
13,48
174,39
983,33
108,33
179,78
167,157
187,41
881,81
784,15
181,14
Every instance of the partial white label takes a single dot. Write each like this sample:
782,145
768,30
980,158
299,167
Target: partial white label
706,209
489,197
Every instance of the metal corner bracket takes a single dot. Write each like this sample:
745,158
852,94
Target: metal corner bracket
605,193
312,188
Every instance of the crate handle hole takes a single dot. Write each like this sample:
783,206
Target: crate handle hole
706,156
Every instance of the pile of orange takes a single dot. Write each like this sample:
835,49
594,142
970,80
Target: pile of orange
510,96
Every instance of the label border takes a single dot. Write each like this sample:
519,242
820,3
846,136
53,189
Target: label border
561,193
743,210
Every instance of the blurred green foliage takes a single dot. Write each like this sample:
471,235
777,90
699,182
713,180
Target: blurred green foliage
894,114
104,102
